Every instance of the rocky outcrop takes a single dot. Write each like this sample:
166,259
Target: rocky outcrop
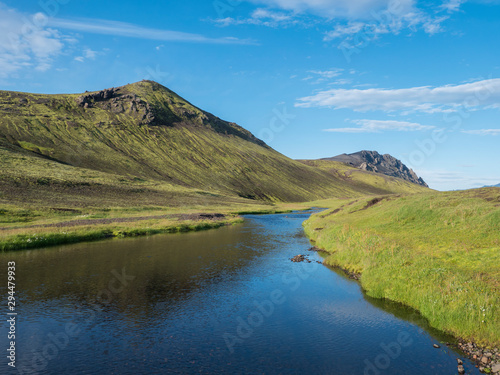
154,105
89,99
386,164
119,101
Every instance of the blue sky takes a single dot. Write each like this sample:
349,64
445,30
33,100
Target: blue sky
313,78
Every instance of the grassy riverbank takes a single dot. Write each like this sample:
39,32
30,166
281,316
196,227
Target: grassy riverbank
30,238
28,227
436,252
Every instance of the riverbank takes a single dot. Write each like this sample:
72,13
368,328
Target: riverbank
436,252
29,228
30,237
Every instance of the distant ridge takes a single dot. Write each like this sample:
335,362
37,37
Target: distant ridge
386,164
99,146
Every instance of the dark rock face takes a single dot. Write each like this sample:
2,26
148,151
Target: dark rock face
117,101
386,164
96,97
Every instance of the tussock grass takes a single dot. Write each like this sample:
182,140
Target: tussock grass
22,238
436,252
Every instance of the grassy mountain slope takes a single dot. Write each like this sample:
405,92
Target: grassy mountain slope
364,182
437,252
385,164
144,131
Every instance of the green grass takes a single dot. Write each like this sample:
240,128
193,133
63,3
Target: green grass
43,237
145,152
436,252
363,182
48,143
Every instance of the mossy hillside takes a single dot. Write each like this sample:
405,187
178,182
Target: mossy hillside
365,182
27,180
436,252
146,131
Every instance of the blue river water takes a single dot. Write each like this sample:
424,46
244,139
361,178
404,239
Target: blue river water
225,301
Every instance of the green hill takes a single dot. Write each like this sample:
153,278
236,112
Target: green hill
364,182
143,138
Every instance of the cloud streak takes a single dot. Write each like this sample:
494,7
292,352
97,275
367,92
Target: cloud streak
377,126
449,98
260,17
482,132
116,28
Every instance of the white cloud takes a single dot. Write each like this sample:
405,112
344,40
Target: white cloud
387,22
452,5
338,8
349,29
261,17
327,73
89,54
22,44
376,126
341,81
366,19
482,132
449,98
116,28
267,14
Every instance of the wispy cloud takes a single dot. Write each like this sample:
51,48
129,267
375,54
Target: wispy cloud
482,132
116,28
335,8
261,17
369,18
377,126
327,73
452,5
316,77
22,46
391,24
449,98
87,54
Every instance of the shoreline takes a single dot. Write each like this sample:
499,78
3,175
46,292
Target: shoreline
435,253
481,356
101,229
70,231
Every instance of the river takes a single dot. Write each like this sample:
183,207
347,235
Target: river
225,301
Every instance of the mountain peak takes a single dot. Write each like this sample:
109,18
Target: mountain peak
373,161
153,104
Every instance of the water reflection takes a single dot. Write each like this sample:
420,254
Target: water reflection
185,303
